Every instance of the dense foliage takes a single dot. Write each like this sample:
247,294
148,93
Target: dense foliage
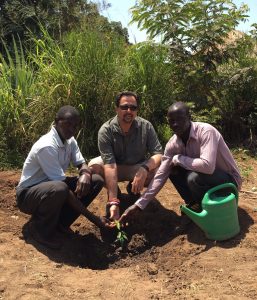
84,62
214,66
21,17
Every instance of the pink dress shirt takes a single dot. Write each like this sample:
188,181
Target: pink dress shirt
204,152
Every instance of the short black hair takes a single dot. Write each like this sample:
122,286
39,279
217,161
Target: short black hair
180,105
64,110
125,93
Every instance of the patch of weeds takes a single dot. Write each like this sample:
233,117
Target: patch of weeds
246,171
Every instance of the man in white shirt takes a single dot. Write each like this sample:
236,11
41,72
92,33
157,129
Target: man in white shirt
54,200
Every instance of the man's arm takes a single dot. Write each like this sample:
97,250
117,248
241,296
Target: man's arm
154,161
141,176
155,149
78,206
156,184
206,163
84,181
111,181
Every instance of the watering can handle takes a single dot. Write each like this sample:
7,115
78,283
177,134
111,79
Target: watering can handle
224,185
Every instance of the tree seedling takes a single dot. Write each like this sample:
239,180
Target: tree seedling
121,236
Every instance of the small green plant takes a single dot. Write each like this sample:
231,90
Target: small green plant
121,236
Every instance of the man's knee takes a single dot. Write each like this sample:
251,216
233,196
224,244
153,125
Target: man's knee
59,191
97,169
47,197
96,166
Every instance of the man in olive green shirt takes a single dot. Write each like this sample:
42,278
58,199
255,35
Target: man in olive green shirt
130,151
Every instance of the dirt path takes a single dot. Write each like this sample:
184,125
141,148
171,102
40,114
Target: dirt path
161,263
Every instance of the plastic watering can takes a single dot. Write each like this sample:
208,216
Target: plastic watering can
219,218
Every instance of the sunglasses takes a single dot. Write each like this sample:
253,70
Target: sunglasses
126,107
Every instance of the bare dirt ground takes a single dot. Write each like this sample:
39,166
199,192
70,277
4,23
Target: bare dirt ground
160,262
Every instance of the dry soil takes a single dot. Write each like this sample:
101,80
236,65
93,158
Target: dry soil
161,262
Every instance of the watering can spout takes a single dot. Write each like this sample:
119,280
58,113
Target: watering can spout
197,217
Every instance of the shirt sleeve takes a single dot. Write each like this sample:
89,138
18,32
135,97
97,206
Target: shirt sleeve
160,177
49,162
208,154
105,146
153,144
76,156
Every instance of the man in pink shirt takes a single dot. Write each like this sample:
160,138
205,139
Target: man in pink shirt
196,158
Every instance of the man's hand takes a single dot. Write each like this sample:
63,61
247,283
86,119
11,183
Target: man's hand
129,213
83,185
114,212
139,180
105,223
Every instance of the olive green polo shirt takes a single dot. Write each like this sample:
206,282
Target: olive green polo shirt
130,149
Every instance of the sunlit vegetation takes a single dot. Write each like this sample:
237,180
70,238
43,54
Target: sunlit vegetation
200,59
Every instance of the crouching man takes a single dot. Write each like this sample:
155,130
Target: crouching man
53,199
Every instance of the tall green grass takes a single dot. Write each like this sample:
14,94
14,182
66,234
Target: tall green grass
81,71
88,68
16,92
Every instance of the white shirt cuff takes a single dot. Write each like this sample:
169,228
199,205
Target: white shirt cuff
175,160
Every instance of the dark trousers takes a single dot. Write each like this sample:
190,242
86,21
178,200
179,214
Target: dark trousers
192,186
47,202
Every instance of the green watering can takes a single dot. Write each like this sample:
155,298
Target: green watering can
219,218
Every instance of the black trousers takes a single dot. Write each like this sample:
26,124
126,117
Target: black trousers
47,202
192,186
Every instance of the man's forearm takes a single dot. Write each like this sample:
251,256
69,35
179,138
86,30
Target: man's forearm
111,180
195,164
81,209
154,161
156,184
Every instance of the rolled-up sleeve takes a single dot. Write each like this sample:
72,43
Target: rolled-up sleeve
153,144
105,146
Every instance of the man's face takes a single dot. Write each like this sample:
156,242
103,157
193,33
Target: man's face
68,126
179,121
127,110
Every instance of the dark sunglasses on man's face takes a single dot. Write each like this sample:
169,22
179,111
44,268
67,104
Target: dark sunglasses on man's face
126,107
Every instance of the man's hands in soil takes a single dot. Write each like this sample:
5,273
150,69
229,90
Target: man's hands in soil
103,222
